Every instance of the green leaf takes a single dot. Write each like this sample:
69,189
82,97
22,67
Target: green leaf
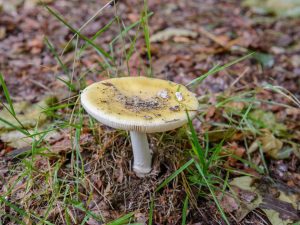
266,60
123,220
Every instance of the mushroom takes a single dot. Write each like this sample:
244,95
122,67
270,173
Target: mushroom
140,105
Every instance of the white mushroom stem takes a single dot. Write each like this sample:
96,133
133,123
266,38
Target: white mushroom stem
142,157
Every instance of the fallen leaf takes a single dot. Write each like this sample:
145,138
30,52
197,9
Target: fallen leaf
263,119
266,60
271,145
285,210
221,134
30,4
210,112
10,6
234,106
181,39
16,139
133,17
66,143
2,33
228,203
244,182
172,33
280,210
234,150
36,45
274,218
286,8
28,114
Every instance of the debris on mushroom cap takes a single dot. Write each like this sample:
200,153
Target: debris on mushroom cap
139,103
163,94
179,96
148,117
175,108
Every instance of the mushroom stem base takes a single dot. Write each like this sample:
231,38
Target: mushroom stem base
142,157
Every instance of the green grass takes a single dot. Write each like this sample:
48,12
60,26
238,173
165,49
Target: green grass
7,95
64,186
184,210
88,40
147,36
202,162
217,69
198,177
10,108
123,220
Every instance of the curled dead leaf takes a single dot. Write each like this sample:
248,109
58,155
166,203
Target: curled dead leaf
270,143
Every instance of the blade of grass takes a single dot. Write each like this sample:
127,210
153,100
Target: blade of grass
263,159
98,33
87,22
202,77
16,118
151,210
14,207
21,211
127,29
184,210
208,185
132,46
56,56
215,153
122,220
196,145
284,92
7,95
98,49
175,174
11,217
23,131
68,84
218,68
80,206
147,35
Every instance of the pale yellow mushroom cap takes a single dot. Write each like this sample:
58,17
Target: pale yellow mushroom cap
139,103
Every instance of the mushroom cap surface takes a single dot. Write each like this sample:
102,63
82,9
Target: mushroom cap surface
139,103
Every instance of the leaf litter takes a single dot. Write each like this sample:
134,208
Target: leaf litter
280,208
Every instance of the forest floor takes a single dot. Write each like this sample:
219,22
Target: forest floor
58,166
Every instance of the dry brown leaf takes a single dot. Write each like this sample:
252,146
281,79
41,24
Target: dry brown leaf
210,112
235,150
228,203
271,145
65,144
